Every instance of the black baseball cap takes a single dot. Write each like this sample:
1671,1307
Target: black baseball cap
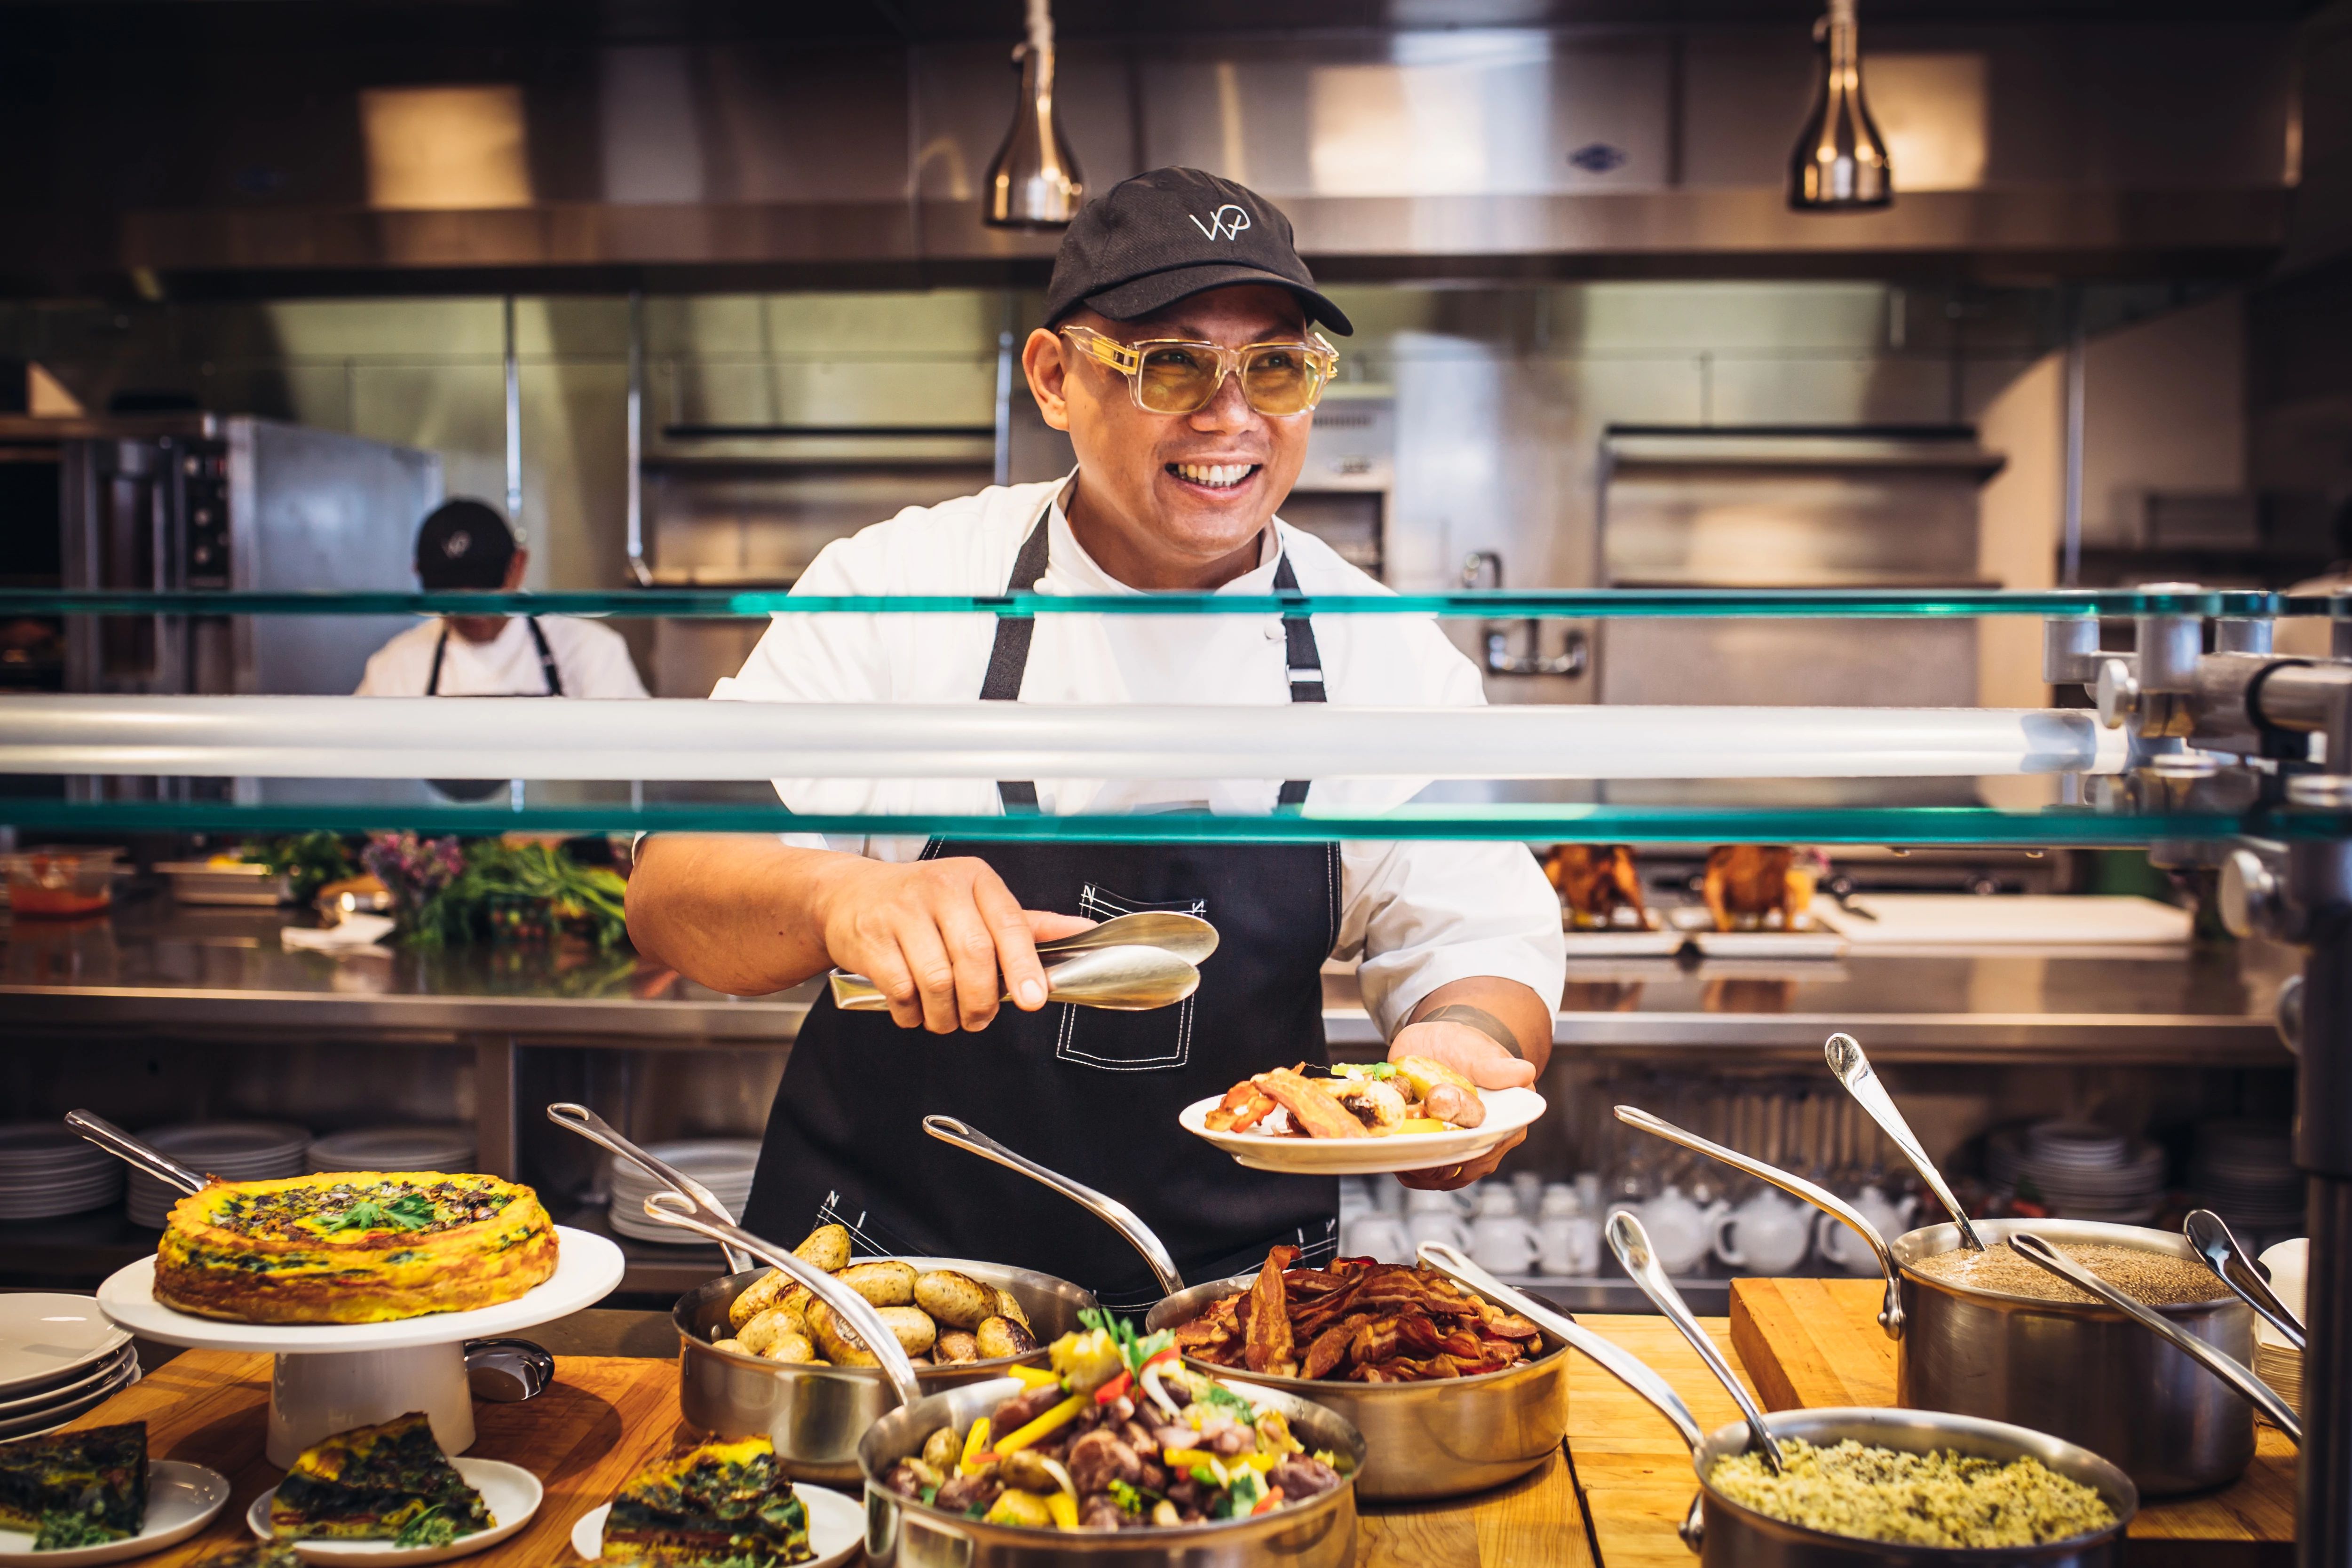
1169,234
463,543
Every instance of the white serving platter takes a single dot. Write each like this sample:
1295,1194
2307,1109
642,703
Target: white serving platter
512,1493
47,1339
836,1527
1507,1111
181,1500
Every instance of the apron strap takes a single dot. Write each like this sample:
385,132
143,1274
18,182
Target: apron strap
546,656
1306,664
440,646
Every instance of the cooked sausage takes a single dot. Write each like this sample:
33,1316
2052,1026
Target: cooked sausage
957,1301
1017,1412
1007,1306
885,1284
835,1340
913,1326
793,1348
1003,1337
956,1344
757,1297
1460,1107
827,1247
770,1326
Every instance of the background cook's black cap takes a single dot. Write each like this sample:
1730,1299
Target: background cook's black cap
463,543
1171,233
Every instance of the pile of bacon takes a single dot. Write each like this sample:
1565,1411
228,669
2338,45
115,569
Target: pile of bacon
1358,1321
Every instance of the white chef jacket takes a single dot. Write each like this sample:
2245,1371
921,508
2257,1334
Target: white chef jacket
1420,914
590,657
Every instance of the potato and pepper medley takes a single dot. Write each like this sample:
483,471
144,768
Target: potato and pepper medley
1119,1435
938,1315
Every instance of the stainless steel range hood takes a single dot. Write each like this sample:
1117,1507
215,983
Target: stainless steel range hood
2023,150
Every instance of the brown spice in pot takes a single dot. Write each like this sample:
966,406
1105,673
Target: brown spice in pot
2153,1278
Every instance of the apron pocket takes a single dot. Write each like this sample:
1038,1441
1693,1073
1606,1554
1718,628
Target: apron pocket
1159,1041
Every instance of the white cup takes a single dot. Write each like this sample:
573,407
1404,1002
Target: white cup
1380,1237
1436,1216
1768,1234
1569,1245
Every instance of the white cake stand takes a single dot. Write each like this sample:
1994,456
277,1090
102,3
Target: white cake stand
331,1377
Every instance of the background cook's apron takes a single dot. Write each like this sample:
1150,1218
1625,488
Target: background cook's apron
482,789
1093,1094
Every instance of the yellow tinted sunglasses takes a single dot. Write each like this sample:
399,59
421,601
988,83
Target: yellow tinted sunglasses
1171,375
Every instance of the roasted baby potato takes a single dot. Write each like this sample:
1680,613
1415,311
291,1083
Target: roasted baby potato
1027,1470
886,1284
757,1296
1006,1307
771,1326
834,1341
941,1450
913,1326
1002,1336
956,1344
729,1344
827,1247
957,1301
793,1347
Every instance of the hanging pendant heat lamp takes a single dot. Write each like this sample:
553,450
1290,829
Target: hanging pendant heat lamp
1840,164
1034,181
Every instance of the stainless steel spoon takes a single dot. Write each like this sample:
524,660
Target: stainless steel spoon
1852,1069
576,1118
128,1150
2210,1234
2226,1367
1188,937
1890,1311
1631,1243
1123,979
1102,1205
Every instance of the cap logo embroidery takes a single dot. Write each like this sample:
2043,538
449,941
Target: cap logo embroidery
456,544
1226,223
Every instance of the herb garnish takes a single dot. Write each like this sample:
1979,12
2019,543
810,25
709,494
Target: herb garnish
430,1528
410,1211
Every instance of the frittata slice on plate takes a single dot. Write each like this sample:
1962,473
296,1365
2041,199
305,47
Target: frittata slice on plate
75,1489
253,1555
386,1482
722,1505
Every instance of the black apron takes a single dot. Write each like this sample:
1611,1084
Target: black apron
482,789
1092,1094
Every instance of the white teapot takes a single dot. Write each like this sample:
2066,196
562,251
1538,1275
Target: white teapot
1679,1229
1769,1235
1502,1240
1436,1216
1848,1251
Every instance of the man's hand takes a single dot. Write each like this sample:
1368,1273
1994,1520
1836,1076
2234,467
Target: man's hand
935,936
1478,1057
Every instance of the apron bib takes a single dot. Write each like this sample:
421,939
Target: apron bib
1092,1094
482,789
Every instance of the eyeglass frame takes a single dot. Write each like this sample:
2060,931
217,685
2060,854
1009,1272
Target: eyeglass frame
1126,359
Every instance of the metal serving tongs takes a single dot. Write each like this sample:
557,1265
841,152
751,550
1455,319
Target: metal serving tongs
576,1118
1890,1311
128,1150
684,1211
1851,1069
1631,1243
1102,1205
2221,1364
2210,1234
1129,964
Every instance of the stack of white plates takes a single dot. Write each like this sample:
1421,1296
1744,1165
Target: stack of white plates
233,1150
2280,1364
722,1165
2079,1171
47,1170
449,1149
2244,1170
59,1357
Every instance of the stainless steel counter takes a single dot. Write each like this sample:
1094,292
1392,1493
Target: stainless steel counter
156,967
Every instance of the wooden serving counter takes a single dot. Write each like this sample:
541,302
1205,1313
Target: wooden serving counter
1613,1500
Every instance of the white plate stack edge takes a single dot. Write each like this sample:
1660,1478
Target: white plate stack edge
233,1150
722,1165
449,1150
48,1171
59,1358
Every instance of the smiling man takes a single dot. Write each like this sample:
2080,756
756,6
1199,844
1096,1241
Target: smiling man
1180,351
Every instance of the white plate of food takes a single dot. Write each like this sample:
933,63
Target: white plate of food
836,1527
182,1500
512,1493
1388,1106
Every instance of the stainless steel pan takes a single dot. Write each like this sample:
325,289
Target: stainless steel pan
904,1533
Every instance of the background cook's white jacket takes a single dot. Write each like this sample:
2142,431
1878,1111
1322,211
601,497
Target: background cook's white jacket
1420,914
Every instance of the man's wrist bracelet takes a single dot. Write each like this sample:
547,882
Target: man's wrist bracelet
1480,1019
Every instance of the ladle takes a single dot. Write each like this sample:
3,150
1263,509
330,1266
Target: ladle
1890,1311
130,1150
2212,1236
1102,1205
1852,1069
1127,978
1631,1243
1188,937
681,1210
2228,1368
576,1118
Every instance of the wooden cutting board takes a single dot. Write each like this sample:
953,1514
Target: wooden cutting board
1811,1343
606,1416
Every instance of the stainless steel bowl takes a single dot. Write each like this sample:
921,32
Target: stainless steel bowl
1433,1439
1734,1536
2078,1370
815,1415
903,1534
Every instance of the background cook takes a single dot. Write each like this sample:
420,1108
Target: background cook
1186,445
